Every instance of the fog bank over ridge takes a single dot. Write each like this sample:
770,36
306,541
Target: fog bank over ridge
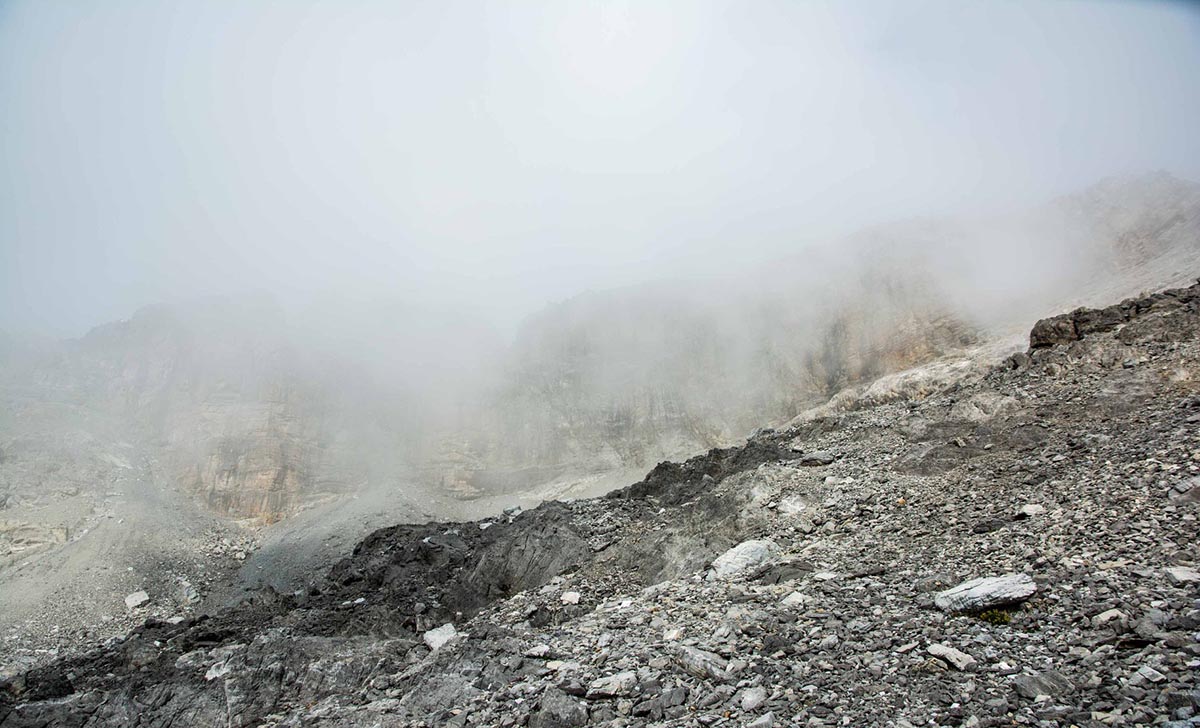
502,159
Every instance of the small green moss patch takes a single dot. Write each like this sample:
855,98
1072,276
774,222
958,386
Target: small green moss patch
995,616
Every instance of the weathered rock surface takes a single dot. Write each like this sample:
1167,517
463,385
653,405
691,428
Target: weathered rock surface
439,636
987,592
748,558
956,658
1050,683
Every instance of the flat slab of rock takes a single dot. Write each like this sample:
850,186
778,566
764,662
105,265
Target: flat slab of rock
1183,575
748,558
957,659
613,686
986,593
439,636
136,599
1050,683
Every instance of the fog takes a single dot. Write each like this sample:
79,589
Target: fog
496,158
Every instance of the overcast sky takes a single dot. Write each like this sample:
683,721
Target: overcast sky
503,155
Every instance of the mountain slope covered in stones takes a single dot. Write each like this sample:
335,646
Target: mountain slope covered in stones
802,578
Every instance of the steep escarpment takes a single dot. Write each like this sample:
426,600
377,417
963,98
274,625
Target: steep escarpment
797,578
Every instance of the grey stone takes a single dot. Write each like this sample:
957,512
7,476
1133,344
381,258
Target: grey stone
556,709
817,458
1183,575
1029,510
701,663
986,593
957,659
1050,683
439,636
753,698
747,559
612,686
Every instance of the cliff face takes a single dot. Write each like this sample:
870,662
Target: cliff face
225,415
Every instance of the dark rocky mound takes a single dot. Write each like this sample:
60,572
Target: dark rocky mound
1179,305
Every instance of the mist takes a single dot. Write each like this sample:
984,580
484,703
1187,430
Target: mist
492,159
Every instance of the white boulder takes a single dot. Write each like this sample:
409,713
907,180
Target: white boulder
957,659
136,599
985,593
749,558
439,636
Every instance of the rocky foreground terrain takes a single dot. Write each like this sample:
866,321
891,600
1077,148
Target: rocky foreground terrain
1018,548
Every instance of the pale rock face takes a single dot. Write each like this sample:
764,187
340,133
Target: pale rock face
217,670
986,593
1030,510
746,559
439,636
793,505
795,599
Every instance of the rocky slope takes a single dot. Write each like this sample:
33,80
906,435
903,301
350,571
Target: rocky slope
628,377
812,576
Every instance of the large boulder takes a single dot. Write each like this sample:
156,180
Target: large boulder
1051,331
747,559
988,592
